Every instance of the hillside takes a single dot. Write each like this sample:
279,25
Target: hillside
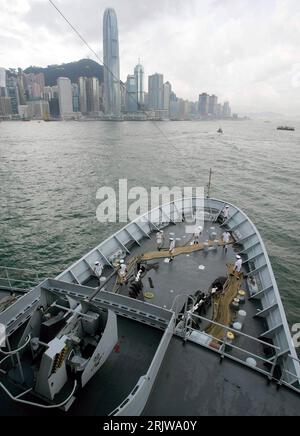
73,70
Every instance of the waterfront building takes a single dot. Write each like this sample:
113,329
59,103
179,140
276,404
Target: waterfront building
203,104
167,98
212,105
5,107
65,97
139,74
131,96
226,110
156,92
39,109
82,95
93,95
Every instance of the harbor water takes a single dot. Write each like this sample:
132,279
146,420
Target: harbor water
50,173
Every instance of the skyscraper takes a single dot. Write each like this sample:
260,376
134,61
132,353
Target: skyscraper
47,94
34,85
112,91
65,97
5,107
213,103
3,91
219,110
123,96
2,78
226,110
54,102
167,98
39,109
93,95
83,96
131,99
21,86
203,104
139,74
13,93
156,91
75,96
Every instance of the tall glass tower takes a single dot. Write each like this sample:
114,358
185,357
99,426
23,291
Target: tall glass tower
139,77
112,92
156,91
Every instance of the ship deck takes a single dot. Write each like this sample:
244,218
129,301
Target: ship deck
113,383
168,279
192,382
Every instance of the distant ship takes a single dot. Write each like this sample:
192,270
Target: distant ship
220,130
291,129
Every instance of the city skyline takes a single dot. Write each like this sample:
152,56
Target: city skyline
24,95
29,95
246,52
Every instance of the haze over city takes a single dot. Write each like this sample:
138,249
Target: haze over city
244,51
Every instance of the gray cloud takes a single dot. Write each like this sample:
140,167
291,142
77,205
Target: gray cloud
244,50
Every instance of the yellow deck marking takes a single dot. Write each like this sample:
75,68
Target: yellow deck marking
222,310
181,250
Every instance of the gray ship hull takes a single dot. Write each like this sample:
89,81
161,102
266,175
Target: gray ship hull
179,372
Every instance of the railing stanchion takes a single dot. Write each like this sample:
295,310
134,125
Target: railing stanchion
7,276
186,317
223,349
274,367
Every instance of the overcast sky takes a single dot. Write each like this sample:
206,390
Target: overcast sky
246,51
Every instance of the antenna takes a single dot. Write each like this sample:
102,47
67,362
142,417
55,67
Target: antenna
209,183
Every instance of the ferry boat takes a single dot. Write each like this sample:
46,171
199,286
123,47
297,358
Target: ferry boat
289,129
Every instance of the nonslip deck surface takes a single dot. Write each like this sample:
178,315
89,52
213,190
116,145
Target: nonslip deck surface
192,382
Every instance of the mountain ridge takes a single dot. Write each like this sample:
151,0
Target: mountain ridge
72,70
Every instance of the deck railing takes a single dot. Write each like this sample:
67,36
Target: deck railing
18,279
267,366
295,383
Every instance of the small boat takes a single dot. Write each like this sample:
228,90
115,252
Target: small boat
290,129
220,130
